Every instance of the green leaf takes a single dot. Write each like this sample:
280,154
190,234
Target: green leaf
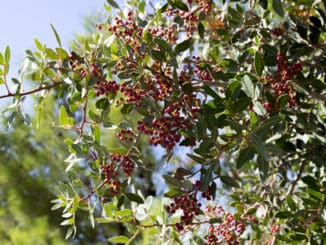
311,182
178,4
158,55
183,46
27,120
119,239
70,232
278,7
38,44
291,203
201,30
68,221
113,4
7,55
164,45
56,35
259,64
206,178
240,104
63,116
248,86
229,181
263,167
173,192
97,133
298,237
268,124
102,103
284,214
259,108
134,197
172,181
96,118
245,155
259,144
2,61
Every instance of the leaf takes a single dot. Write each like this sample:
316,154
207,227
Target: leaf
183,46
63,116
68,221
113,4
278,7
268,124
206,178
70,232
164,45
97,134
173,192
298,237
311,182
7,55
263,167
172,181
38,44
259,64
201,30
26,119
259,146
229,181
119,239
291,203
178,4
96,118
245,155
259,108
284,214
134,197
1,59
56,35
158,55
248,86
102,103
240,104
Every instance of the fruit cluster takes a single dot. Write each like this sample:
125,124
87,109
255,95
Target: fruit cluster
106,87
128,31
282,82
190,207
229,229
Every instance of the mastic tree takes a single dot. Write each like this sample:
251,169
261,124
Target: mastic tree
230,95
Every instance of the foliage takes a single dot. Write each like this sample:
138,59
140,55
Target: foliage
237,87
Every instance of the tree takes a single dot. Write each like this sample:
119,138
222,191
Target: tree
237,87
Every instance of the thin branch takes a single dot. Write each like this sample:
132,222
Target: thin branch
91,191
32,91
294,183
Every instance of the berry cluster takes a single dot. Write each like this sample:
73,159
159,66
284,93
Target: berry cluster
110,172
200,72
281,83
106,87
230,228
228,231
167,130
207,194
128,31
126,135
190,207
123,161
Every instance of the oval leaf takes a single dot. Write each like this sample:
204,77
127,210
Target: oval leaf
119,239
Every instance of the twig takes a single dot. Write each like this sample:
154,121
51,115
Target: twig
32,91
294,183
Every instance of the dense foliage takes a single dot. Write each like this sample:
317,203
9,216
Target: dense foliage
230,95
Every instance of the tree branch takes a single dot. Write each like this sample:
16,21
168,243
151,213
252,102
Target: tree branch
32,91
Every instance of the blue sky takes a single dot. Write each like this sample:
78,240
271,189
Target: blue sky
22,21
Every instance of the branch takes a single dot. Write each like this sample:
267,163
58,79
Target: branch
32,91
294,183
